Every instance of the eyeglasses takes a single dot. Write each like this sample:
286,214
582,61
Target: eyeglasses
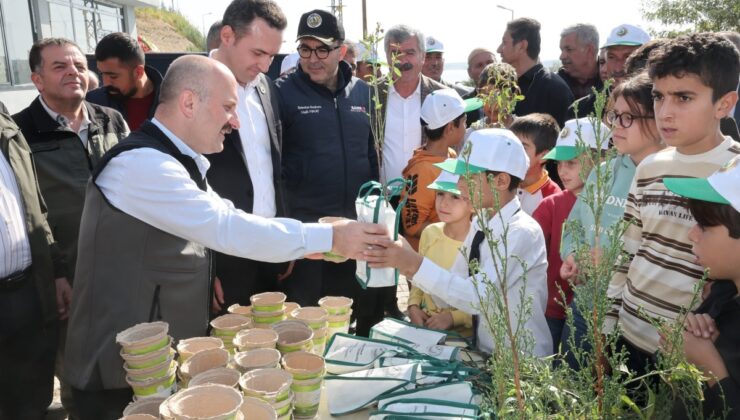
625,119
321,52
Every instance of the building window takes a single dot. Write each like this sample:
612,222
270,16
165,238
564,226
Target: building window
16,38
84,21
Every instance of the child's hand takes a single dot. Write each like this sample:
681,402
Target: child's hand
395,254
569,268
702,326
417,316
440,321
702,352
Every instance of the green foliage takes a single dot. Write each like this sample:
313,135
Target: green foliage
523,386
693,15
178,22
377,86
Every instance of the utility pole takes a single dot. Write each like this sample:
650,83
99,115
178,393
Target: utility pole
337,9
364,19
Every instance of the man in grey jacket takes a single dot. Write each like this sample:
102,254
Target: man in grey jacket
149,225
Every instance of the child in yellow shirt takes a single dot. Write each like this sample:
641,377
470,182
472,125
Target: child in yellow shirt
440,242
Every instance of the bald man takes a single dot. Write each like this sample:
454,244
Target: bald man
150,223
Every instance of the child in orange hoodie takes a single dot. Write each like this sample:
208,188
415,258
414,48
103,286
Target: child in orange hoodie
443,121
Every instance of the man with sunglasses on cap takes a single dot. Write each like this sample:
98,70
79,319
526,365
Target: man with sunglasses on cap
328,153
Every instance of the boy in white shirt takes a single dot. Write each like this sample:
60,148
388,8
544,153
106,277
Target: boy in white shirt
498,154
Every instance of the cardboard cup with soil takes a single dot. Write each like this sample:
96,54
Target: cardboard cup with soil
330,256
256,338
293,336
207,402
142,361
203,361
271,384
257,359
146,406
239,309
188,347
228,325
155,387
268,302
223,376
256,409
144,338
336,305
316,317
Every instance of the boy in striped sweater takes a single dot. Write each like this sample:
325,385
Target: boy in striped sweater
694,79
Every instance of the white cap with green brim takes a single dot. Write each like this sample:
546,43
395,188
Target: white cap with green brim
434,45
441,107
446,182
491,149
721,187
568,147
629,35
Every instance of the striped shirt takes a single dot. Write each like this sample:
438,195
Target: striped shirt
657,277
15,250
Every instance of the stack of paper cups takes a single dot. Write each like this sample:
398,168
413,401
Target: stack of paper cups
226,326
148,359
318,319
268,308
308,371
272,386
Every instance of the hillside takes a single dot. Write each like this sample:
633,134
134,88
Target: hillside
168,31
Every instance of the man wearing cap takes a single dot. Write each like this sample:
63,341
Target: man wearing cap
622,41
497,154
328,153
248,170
367,63
543,90
579,47
478,59
434,64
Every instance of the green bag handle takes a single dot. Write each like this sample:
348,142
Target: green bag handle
395,187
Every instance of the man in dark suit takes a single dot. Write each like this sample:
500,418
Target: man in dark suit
247,171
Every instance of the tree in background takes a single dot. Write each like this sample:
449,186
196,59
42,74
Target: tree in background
693,15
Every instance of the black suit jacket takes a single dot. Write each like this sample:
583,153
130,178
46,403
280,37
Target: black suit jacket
229,177
228,174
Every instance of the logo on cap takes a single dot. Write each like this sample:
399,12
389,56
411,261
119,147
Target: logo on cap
564,132
432,41
313,20
622,31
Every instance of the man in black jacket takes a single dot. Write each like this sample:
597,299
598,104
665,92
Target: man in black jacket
247,171
129,86
328,151
67,136
543,90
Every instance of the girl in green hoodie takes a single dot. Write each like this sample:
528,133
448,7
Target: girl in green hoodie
635,136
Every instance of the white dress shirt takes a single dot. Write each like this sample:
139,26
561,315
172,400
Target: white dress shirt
402,131
82,133
15,250
156,189
525,241
255,138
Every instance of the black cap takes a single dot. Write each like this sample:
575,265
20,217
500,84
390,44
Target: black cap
321,25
